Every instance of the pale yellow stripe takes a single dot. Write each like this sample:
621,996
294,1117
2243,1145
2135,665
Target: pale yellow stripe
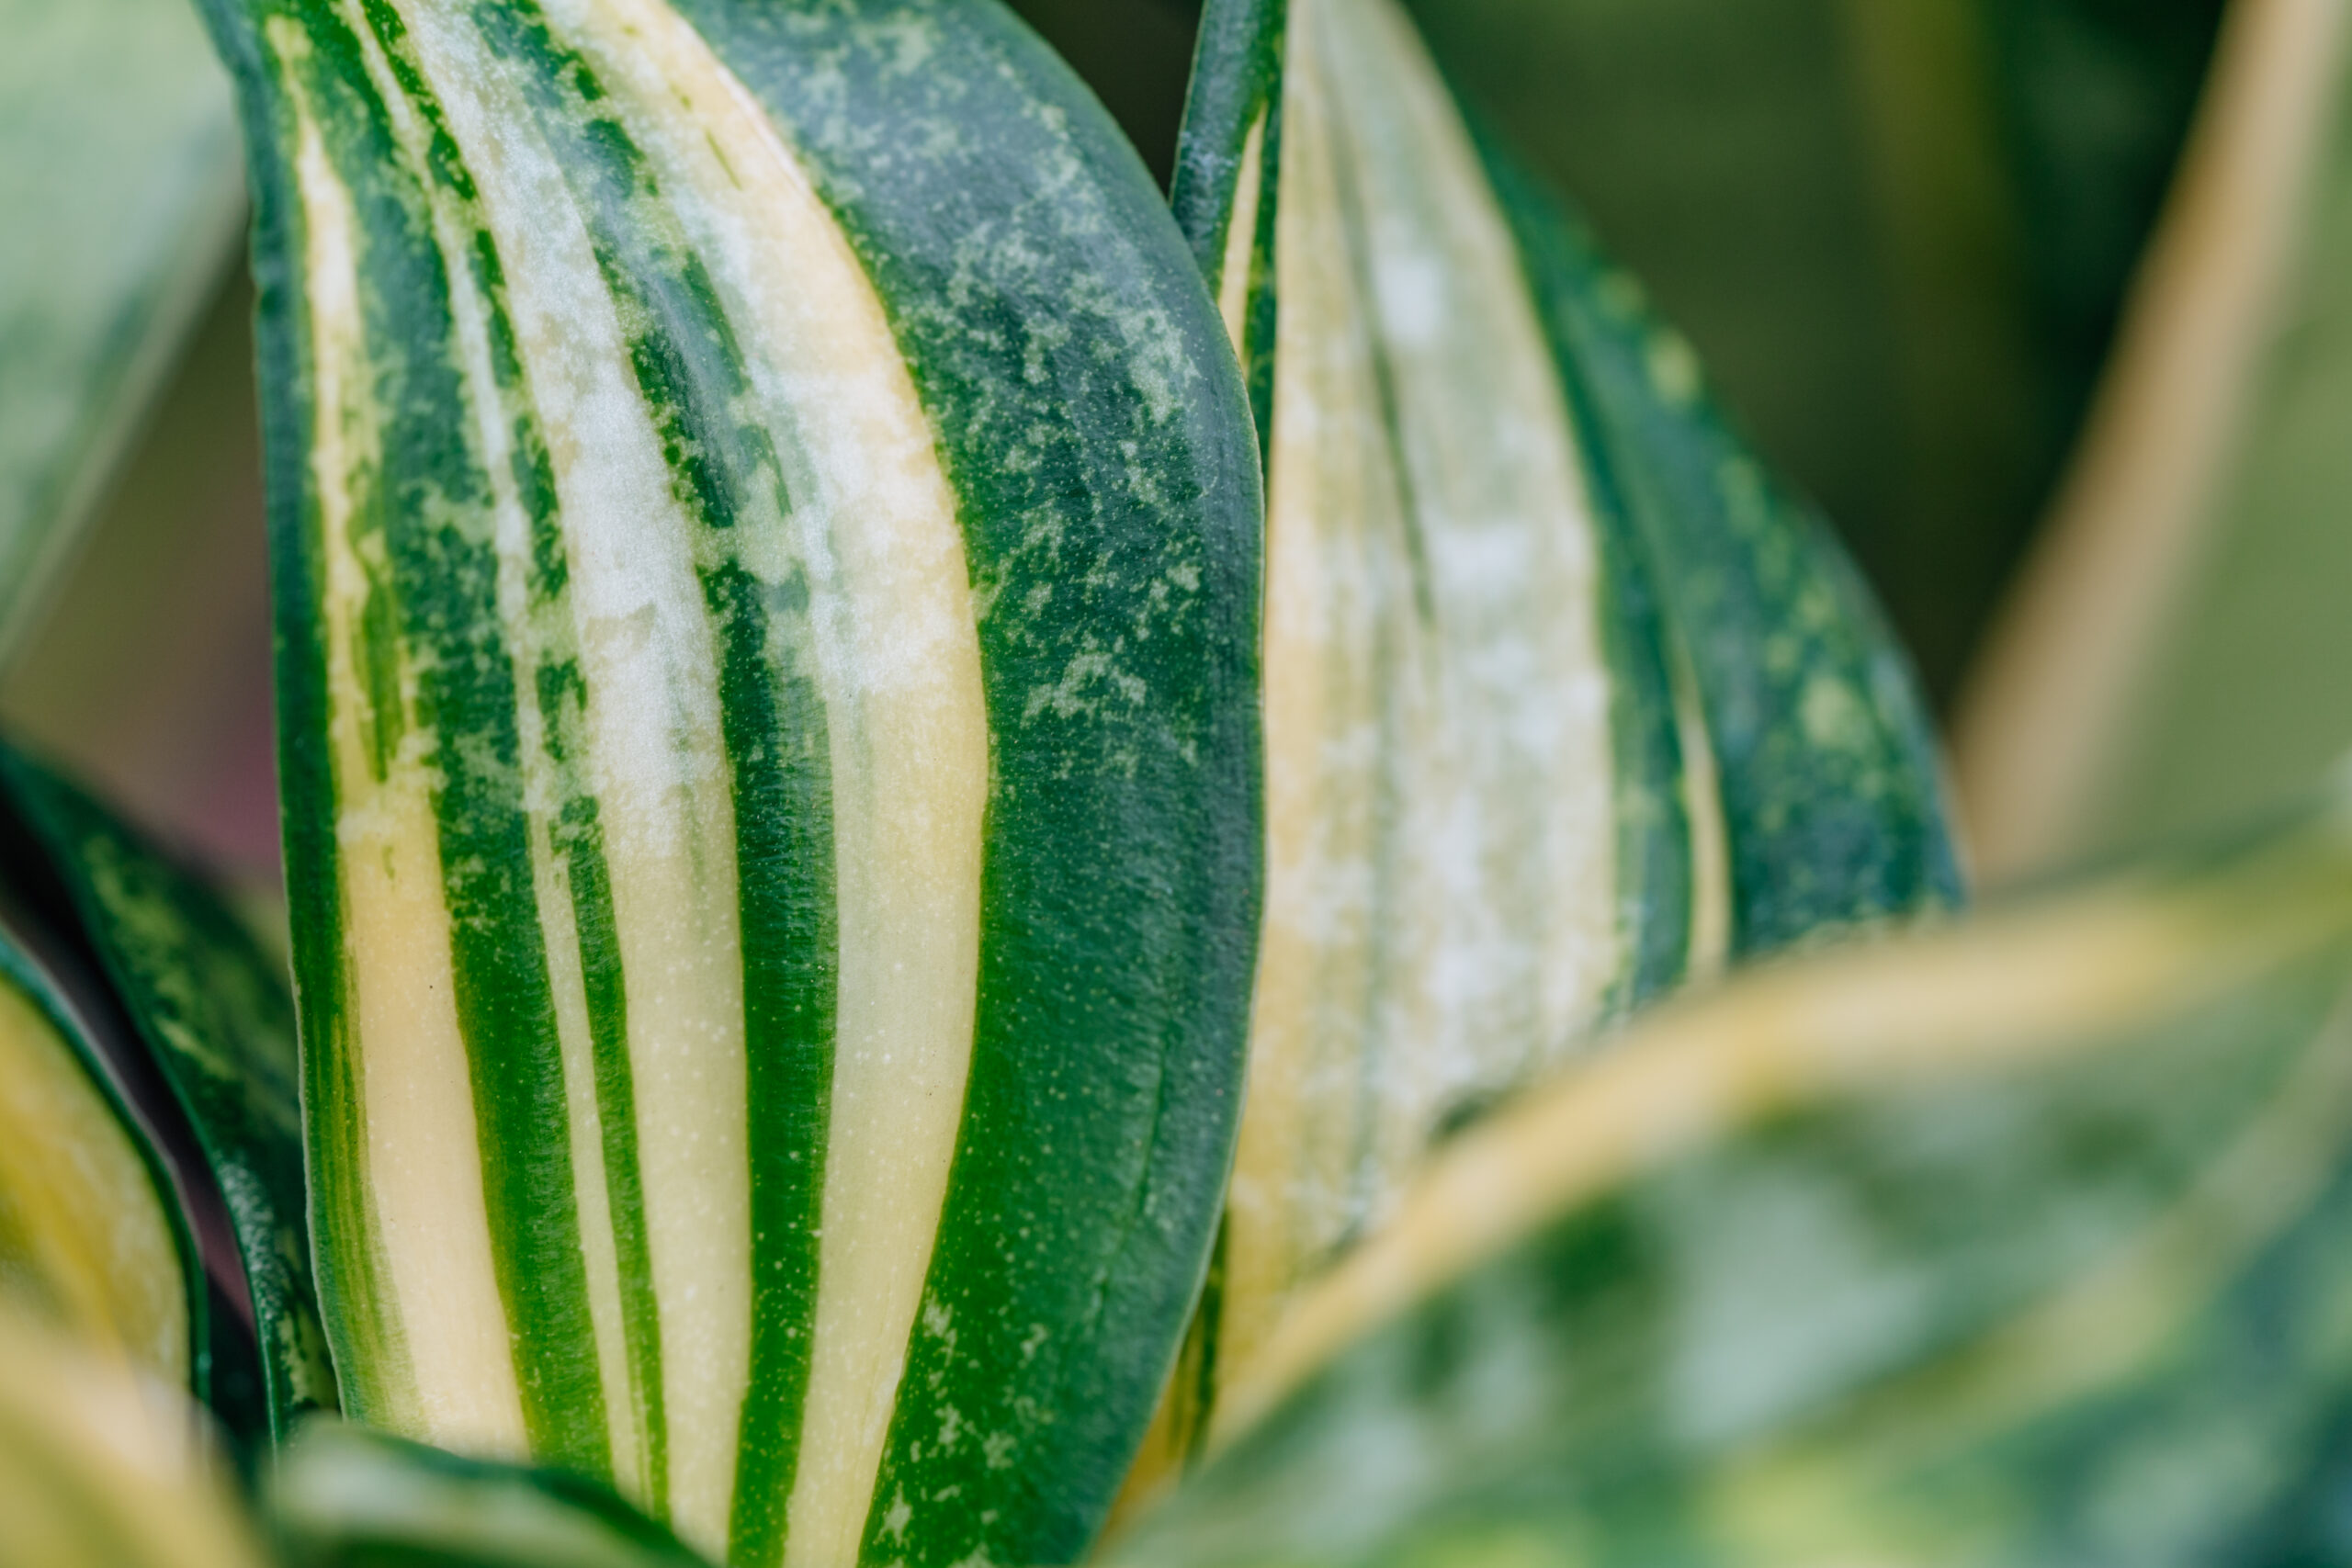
2051,706
142,1481
1241,236
1710,838
424,1163
874,527
543,790
1441,902
2027,986
1348,714
83,1228
656,764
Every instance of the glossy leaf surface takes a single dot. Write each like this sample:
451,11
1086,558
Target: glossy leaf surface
765,533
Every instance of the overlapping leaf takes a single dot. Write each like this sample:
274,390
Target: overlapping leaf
2020,1242
171,1035
1566,701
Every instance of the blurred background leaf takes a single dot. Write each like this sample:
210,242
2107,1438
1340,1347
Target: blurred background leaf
2177,652
2020,1241
134,641
100,1469
149,674
122,191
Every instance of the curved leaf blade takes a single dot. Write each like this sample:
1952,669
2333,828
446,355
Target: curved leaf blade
1824,751
212,1013
344,1497
1565,701
92,1232
1941,1251
766,534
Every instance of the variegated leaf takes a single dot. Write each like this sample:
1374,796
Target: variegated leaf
2016,1242
1566,700
766,530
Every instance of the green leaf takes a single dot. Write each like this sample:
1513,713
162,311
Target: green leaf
765,533
119,206
1823,756
2022,1241
1899,234
1565,700
345,1497
214,1023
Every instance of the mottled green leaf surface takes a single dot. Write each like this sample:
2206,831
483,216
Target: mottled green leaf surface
118,203
211,1012
1824,754
1900,235
2021,1242
765,532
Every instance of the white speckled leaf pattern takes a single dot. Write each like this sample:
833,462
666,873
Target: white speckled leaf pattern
765,529
1442,909
1562,705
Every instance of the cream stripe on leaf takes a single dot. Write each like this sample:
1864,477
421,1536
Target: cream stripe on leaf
1478,839
1442,904
2018,1242
1563,703
102,1469
766,528
91,1233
